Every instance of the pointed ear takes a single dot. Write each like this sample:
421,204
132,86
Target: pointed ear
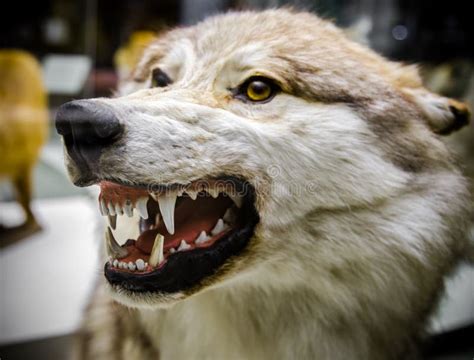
442,114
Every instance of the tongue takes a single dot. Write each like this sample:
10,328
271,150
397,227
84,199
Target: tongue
191,217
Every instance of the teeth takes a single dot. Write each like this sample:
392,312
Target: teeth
111,208
183,246
218,228
112,221
213,192
141,207
236,199
131,266
123,265
113,248
192,194
167,203
180,192
140,264
229,216
118,209
172,250
103,208
202,238
115,263
128,208
156,256
154,196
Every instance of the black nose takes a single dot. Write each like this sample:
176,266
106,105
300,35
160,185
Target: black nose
87,128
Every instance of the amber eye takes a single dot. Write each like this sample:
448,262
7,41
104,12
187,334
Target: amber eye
256,89
159,78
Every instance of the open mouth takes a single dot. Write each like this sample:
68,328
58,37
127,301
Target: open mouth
186,233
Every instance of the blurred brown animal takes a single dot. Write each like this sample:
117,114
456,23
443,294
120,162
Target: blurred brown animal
128,55
23,123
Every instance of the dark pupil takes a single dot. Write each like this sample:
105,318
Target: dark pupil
259,87
160,78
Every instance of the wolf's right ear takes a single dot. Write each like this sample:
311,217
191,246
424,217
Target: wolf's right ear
442,114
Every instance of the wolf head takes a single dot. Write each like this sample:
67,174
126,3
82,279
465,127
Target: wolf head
337,149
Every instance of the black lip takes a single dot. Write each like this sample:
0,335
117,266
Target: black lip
185,270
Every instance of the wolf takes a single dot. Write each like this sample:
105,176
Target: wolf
289,191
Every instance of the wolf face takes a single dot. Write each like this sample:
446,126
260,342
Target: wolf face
267,149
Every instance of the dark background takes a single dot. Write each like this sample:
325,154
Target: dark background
435,31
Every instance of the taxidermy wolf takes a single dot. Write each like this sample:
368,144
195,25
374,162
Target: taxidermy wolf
288,188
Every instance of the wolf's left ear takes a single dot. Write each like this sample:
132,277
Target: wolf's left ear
442,114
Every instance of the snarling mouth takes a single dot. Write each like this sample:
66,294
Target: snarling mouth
186,233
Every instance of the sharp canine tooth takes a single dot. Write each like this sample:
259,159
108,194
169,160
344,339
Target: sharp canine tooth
140,264
111,208
167,203
229,216
156,256
103,208
113,248
128,208
141,207
201,238
113,221
183,245
218,228
154,196
236,199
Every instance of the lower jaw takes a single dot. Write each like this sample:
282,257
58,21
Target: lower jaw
184,271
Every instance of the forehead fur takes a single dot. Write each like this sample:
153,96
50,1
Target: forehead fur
290,45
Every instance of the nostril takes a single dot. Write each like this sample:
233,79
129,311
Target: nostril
108,127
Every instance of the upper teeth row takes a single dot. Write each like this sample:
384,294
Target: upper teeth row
127,208
165,201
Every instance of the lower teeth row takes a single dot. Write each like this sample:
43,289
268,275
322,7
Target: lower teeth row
139,265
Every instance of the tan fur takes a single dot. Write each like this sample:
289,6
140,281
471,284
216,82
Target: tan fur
363,211
23,121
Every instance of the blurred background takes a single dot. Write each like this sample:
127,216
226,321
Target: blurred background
53,51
